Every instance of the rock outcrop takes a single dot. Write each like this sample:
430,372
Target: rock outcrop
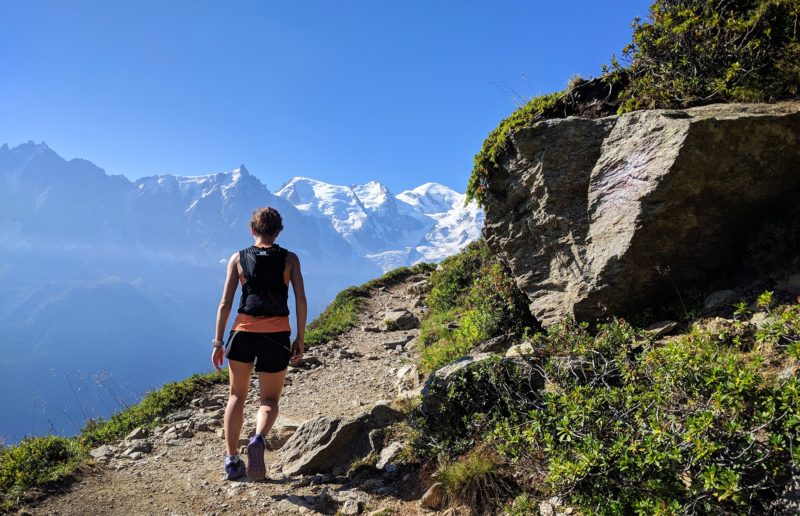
597,217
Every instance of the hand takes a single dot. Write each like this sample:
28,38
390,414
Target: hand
217,357
297,351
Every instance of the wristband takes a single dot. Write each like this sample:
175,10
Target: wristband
216,343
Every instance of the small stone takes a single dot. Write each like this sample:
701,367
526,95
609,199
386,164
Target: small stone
433,498
101,452
138,447
400,320
661,328
388,457
137,433
519,350
136,455
350,507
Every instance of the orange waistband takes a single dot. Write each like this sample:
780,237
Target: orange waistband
255,324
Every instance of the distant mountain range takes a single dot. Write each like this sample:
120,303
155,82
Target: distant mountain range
109,287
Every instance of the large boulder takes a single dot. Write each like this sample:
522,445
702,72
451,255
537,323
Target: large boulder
597,217
324,444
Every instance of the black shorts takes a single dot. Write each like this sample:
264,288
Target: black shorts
270,351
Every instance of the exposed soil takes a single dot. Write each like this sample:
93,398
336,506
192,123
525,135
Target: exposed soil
185,475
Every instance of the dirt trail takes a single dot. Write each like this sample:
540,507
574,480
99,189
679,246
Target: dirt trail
184,475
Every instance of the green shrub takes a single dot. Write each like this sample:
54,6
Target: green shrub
690,52
628,425
697,52
342,313
36,461
471,401
476,292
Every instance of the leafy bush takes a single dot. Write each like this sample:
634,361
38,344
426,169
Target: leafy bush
695,52
36,461
342,313
690,52
476,290
472,400
693,424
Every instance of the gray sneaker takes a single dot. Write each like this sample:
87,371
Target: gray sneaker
256,469
234,467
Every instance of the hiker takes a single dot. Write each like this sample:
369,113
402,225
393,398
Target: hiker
260,336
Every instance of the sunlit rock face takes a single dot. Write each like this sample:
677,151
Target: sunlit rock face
603,216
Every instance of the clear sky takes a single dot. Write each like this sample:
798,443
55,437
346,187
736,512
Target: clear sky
342,91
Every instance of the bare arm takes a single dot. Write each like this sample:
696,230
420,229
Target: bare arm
301,307
225,305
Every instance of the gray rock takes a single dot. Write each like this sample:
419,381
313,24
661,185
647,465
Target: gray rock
761,319
790,284
604,216
436,386
101,452
376,438
137,433
350,507
180,415
720,299
661,328
496,344
322,443
388,457
394,343
417,288
138,447
283,429
433,499
520,350
382,414
407,378
400,320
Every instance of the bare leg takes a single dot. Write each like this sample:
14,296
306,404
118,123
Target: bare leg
270,386
239,374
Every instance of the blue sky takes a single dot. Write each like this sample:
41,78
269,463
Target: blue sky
343,91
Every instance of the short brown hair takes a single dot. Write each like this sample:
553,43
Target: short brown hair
266,221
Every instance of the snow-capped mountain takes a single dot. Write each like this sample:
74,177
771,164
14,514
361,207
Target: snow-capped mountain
427,223
103,277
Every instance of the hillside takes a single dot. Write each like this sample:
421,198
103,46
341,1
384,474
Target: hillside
341,378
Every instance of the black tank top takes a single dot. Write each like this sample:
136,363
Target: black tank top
264,293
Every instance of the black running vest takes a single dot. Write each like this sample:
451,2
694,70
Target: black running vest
264,292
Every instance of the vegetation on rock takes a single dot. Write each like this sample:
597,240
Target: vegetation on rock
690,52
472,298
705,422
